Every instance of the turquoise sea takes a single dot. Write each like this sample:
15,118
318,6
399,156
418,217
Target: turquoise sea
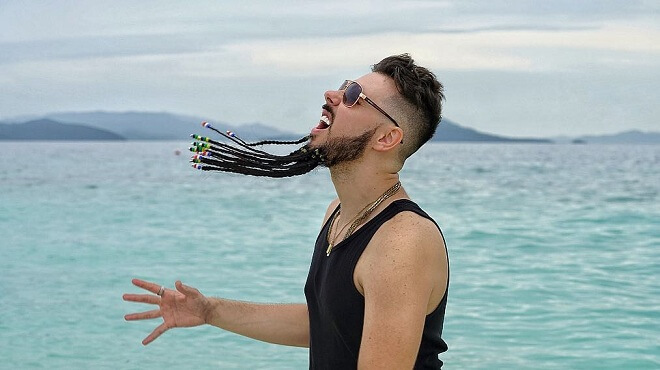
554,250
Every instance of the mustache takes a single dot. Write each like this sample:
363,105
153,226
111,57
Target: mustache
329,109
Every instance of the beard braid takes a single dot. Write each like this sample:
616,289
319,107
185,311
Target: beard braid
245,159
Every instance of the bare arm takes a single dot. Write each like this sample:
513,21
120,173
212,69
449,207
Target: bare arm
275,323
402,276
186,307
286,324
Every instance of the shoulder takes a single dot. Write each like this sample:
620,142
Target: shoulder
408,250
409,228
409,236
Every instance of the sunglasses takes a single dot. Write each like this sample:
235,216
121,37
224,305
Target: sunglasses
353,92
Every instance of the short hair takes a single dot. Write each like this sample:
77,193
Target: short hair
422,93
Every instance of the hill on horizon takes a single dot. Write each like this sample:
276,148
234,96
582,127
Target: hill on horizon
47,129
450,131
161,125
168,126
626,137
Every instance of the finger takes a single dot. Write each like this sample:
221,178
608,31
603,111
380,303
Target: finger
142,298
152,287
185,289
143,315
155,334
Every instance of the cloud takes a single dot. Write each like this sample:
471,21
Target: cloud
313,55
28,20
509,59
94,47
485,50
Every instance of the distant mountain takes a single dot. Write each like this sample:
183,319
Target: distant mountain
167,126
162,126
627,137
135,125
46,129
259,131
562,139
450,131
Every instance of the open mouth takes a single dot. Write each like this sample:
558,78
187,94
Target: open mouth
324,123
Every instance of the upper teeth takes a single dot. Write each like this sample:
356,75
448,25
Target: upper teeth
326,120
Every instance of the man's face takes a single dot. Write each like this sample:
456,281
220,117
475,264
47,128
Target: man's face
343,133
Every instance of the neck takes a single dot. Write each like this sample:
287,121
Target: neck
358,185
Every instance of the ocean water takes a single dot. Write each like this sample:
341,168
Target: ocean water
554,250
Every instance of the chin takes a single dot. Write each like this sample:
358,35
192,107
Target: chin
315,140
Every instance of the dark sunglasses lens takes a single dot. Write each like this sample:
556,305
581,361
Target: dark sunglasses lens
352,94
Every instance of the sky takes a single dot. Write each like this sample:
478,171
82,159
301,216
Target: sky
534,68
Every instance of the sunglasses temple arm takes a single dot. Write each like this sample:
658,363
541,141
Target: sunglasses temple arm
378,108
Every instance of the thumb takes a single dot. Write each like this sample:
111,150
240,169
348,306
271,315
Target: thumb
185,289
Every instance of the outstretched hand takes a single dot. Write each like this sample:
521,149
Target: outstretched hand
180,308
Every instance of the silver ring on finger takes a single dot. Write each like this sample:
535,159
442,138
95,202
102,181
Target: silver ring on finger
161,291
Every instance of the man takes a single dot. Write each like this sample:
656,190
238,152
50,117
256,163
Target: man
377,287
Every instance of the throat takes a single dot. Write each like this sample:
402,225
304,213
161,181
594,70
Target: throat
356,188
336,234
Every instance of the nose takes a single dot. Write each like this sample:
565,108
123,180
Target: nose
333,97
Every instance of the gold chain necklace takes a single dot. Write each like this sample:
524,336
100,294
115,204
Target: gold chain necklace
359,218
332,223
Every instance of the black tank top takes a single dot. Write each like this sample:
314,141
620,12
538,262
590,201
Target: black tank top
336,307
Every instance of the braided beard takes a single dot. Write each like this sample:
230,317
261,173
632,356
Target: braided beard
245,159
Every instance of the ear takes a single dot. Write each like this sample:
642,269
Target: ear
388,140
